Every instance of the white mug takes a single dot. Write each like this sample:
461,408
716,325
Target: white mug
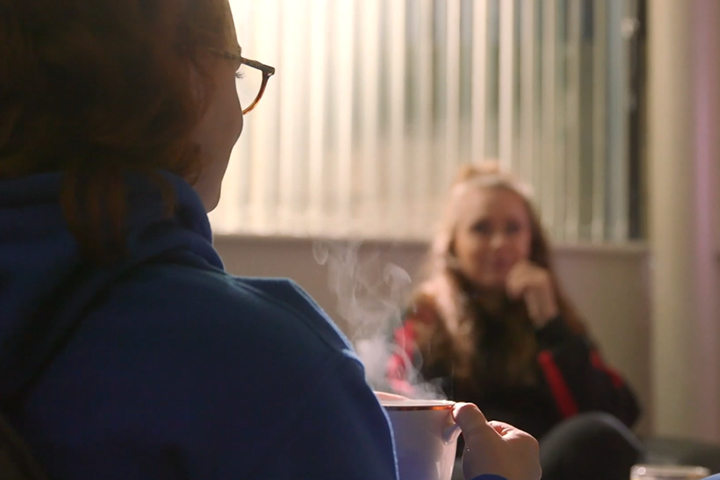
425,437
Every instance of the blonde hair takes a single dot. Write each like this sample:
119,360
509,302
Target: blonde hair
452,339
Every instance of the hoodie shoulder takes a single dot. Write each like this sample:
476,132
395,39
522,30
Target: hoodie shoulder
207,365
209,299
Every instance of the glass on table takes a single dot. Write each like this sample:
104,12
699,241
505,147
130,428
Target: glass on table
668,472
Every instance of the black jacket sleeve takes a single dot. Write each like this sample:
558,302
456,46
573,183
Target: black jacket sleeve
577,376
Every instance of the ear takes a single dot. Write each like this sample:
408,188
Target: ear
200,77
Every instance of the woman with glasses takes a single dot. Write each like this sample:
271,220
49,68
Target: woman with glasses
127,351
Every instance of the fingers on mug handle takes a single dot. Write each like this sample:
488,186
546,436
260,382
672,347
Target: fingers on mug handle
501,427
469,417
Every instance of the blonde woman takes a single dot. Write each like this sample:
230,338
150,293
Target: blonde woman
490,324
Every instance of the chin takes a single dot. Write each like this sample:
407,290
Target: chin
493,283
210,202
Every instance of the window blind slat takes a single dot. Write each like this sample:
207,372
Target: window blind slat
599,123
398,175
368,75
549,151
344,73
507,83
452,90
528,90
572,201
317,110
479,85
617,199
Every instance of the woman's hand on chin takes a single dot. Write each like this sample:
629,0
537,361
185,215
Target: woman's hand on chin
535,286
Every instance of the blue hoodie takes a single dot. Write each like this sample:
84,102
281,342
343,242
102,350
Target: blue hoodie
170,368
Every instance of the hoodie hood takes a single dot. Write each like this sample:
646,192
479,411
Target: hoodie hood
46,286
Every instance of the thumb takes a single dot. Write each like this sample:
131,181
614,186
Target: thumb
471,420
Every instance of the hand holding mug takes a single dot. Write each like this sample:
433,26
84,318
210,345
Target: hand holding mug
496,447
534,285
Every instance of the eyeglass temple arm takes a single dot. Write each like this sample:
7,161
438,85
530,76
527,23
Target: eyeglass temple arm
266,77
266,69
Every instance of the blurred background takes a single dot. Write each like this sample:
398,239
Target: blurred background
610,109
378,101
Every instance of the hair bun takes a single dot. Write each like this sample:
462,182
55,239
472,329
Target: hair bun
480,169
489,173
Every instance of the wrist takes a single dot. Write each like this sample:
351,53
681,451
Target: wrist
554,332
546,319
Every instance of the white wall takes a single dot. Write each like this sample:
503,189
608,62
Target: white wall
683,151
608,284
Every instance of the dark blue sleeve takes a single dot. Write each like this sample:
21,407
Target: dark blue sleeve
343,433
332,425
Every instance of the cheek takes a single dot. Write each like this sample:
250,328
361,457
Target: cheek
239,125
471,249
523,246
233,115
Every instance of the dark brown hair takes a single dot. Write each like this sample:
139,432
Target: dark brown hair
96,89
454,318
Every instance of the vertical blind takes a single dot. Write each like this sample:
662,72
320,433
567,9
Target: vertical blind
376,103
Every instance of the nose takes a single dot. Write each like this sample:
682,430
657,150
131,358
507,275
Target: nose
498,240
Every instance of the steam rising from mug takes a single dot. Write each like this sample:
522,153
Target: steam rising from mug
371,294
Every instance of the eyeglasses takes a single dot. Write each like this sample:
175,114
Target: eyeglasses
250,88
